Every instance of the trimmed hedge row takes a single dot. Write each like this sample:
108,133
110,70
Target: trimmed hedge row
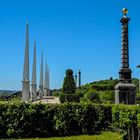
18,120
126,120
24,120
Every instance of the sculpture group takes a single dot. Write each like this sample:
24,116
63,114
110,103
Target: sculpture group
44,89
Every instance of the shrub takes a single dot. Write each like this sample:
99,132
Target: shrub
92,95
125,120
106,96
70,98
18,120
56,93
69,86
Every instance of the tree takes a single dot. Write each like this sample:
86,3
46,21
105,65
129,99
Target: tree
69,86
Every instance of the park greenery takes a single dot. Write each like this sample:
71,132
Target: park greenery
85,110
27,120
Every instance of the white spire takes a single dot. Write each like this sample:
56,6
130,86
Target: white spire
48,76
41,77
47,86
25,82
34,65
34,94
26,57
41,70
46,80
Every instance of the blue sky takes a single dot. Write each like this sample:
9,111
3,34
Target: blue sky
76,34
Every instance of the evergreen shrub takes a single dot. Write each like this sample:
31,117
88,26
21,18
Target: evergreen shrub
27,120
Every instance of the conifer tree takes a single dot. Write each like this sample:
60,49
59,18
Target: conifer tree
69,86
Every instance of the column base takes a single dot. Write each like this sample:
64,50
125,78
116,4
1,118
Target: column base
125,93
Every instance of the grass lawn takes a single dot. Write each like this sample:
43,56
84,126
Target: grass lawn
103,136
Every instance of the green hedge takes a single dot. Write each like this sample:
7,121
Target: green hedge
46,120
126,120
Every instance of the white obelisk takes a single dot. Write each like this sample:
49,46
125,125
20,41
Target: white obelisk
41,78
46,80
25,81
34,85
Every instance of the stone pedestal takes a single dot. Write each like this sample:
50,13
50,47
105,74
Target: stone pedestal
25,90
125,93
33,91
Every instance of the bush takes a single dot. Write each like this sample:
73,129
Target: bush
45,120
70,98
20,119
69,86
56,93
92,95
62,98
125,120
106,96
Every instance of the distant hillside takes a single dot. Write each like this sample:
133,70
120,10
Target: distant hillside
103,85
7,91
8,94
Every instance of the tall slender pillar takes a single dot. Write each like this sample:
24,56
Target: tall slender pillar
25,81
79,78
47,81
41,78
76,79
33,85
125,91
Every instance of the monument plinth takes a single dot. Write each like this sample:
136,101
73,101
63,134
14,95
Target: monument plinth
125,90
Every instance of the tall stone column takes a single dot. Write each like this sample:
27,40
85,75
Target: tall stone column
79,78
46,80
48,83
25,81
125,91
76,79
33,85
41,78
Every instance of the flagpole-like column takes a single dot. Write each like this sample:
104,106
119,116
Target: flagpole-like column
34,85
25,81
41,78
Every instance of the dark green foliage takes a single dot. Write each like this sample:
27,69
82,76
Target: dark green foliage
125,120
92,95
106,96
20,119
62,98
104,85
26,120
69,86
56,93
70,97
136,82
95,118
99,91
46,120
